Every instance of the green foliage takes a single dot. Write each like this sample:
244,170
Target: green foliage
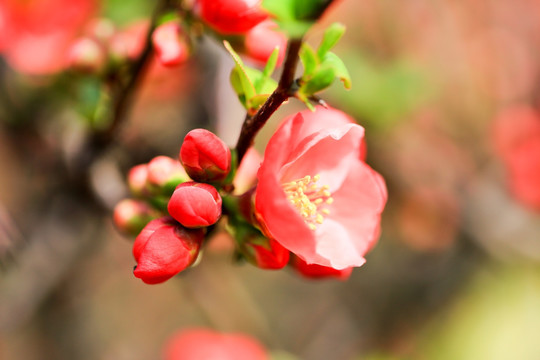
295,17
497,318
252,86
322,67
123,12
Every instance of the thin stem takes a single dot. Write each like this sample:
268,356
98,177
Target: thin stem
252,125
124,94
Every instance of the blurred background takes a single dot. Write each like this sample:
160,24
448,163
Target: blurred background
449,95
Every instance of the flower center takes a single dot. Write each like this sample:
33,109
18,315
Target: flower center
309,199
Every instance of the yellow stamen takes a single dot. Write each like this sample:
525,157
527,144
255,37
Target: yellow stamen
309,199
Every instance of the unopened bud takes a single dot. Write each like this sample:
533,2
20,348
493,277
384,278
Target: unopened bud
101,29
165,173
137,179
195,204
171,49
205,157
163,249
130,216
314,271
86,55
261,41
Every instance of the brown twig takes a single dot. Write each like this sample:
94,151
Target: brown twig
252,125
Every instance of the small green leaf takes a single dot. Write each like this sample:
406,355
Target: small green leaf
281,9
240,80
309,60
323,78
271,63
330,38
340,70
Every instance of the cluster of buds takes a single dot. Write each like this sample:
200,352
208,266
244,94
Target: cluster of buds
102,46
173,205
284,214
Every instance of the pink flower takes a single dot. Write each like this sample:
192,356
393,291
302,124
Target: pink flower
203,344
195,204
163,249
246,174
169,44
205,156
315,196
314,271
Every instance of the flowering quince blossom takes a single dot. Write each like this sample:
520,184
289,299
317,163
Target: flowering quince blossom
314,271
203,344
316,196
163,249
205,156
195,204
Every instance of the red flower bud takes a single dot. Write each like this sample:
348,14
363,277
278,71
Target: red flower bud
232,16
170,46
205,156
163,249
195,204
86,55
137,178
315,271
164,171
203,344
130,216
261,41
266,253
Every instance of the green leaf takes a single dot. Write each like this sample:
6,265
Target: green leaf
240,80
323,78
285,13
281,9
340,70
330,38
263,84
271,63
309,60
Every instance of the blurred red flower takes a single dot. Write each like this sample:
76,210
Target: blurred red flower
35,35
203,344
316,196
517,141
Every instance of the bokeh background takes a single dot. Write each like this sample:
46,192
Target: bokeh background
448,92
